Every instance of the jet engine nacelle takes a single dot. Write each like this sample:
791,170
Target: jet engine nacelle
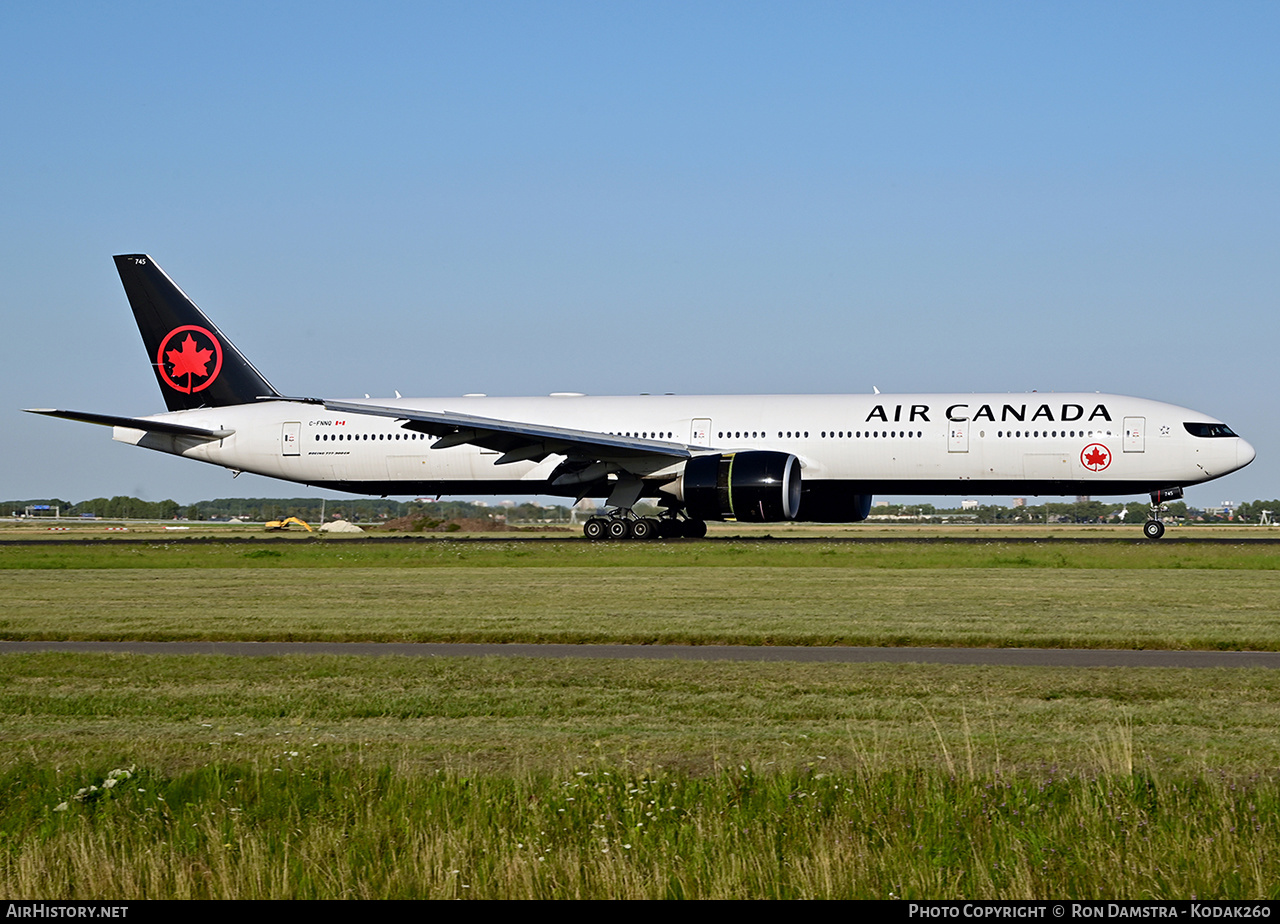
751,487
827,502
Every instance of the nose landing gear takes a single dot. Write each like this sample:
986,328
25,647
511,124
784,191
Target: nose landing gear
1154,528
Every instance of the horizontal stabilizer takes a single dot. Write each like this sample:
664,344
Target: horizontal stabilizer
149,424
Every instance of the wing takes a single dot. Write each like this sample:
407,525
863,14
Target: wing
137,423
521,442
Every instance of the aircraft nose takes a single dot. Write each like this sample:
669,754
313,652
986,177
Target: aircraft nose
1244,453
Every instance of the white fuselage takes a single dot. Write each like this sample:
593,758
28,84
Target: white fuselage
923,444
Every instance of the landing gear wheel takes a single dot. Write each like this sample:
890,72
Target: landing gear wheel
1153,529
693,529
594,528
669,528
645,528
618,528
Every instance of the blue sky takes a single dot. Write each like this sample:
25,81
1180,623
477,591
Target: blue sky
617,198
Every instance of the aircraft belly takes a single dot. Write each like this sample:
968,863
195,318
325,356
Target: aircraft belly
480,466
924,459
413,467
1046,466
461,463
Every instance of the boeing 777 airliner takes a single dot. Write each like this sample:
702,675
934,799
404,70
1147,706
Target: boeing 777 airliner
752,458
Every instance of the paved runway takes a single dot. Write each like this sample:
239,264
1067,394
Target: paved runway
1020,657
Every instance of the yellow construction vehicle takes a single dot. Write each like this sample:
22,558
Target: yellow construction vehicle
277,525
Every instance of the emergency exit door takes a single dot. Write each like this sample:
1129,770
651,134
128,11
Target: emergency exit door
1135,434
290,438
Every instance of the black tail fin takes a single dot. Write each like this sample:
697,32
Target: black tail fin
194,363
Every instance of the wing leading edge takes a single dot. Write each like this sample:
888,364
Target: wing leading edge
521,442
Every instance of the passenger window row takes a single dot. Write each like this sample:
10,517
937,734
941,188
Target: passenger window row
326,437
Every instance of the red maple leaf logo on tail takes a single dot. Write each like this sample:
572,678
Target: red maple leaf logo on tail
190,360
181,368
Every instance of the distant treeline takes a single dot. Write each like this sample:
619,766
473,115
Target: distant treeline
1090,511
259,509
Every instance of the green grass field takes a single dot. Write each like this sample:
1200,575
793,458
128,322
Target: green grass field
499,714
232,830
342,776
995,549
1139,595
327,777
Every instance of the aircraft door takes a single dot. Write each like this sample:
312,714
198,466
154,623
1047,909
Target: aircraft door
291,438
700,432
1135,429
957,436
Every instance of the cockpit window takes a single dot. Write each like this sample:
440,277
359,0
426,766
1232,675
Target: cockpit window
1208,429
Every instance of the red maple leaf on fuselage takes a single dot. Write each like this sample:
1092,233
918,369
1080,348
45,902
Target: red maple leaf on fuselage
189,360
1097,457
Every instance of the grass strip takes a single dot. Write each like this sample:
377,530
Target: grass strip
307,830
512,714
569,553
1010,607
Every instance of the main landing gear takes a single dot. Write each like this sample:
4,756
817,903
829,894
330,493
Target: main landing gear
624,524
